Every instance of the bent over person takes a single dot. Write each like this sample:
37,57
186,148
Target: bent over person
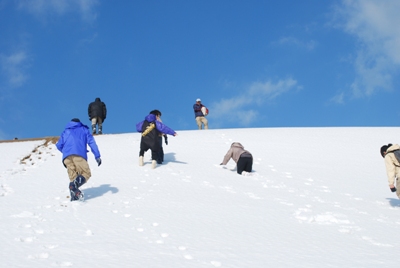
242,158
392,166
151,129
97,112
73,146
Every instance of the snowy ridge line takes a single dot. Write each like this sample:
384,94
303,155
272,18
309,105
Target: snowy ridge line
47,138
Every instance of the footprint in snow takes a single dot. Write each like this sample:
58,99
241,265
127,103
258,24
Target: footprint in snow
25,240
89,233
229,189
65,264
253,196
39,256
216,264
373,242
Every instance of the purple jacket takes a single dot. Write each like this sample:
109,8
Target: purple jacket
159,126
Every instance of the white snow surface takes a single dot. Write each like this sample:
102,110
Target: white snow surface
317,197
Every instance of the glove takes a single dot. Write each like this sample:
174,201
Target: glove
98,160
166,139
393,189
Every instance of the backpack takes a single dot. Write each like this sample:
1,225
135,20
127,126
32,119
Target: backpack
204,110
396,154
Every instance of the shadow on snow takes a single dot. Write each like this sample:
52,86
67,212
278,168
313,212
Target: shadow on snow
394,202
98,191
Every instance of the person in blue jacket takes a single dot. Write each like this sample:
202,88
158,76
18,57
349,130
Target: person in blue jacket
151,129
73,146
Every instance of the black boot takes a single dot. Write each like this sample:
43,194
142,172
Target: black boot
93,129
100,129
77,194
79,181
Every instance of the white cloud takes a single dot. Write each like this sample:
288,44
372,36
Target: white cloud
309,45
60,7
242,109
339,98
13,67
375,24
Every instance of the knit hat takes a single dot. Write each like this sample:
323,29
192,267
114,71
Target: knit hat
384,149
198,100
156,112
75,120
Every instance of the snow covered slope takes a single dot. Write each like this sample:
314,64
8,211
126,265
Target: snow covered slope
318,198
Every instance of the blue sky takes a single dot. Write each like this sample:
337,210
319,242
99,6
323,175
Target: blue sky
254,63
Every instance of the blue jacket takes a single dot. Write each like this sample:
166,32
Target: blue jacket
74,140
159,126
197,110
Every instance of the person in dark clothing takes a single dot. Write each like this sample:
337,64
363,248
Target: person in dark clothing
151,129
160,158
72,144
97,114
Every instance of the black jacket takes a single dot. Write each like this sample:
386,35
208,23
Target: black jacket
150,135
97,109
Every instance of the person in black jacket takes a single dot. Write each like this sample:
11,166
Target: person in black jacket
97,114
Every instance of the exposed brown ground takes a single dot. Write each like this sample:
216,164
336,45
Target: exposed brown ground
48,139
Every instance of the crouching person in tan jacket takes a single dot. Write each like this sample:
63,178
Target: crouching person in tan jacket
242,158
392,166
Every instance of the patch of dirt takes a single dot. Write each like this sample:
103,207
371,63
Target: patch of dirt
48,140
53,139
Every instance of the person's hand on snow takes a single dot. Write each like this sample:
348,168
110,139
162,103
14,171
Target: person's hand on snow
98,160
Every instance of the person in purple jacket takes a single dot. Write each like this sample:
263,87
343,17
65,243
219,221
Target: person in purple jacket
73,146
151,129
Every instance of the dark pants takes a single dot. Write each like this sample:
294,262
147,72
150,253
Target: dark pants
244,164
160,157
154,151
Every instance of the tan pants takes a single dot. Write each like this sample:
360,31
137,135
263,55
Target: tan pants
76,165
202,120
98,121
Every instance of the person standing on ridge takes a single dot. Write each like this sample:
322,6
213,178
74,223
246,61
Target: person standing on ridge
97,112
392,166
199,115
73,146
151,129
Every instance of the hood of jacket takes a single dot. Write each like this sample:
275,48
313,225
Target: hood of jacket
394,147
238,145
150,118
72,125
